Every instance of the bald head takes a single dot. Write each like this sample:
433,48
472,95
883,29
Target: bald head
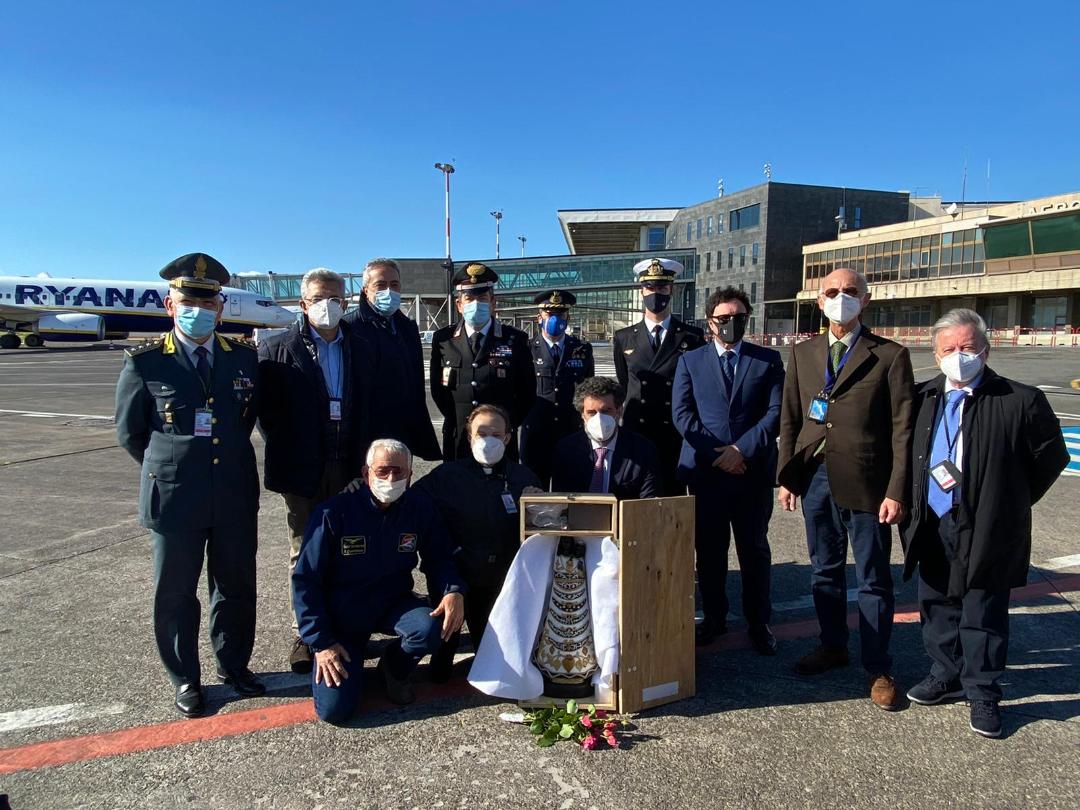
843,297
843,277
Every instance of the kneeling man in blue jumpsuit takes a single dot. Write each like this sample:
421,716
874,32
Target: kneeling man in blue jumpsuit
354,577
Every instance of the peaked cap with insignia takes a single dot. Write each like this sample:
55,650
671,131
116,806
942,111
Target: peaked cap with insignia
196,274
555,300
652,271
474,277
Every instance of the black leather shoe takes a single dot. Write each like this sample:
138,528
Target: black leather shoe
400,692
189,700
762,640
441,667
244,682
707,632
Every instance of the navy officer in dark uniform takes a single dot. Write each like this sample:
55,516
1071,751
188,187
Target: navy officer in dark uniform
479,361
185,409
646,356
354,577
561,361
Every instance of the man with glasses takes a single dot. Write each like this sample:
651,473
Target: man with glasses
479,361
727,409
397,360
316,412
646,355
354,577
845,427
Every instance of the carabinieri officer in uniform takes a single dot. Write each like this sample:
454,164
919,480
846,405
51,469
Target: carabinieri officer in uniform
646,356
561,362
479,361
185,409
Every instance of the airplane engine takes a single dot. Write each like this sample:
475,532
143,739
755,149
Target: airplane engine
71,327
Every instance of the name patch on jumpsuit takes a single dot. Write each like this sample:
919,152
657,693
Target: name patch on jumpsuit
351,546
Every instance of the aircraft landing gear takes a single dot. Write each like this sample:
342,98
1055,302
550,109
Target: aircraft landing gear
9,340
33,341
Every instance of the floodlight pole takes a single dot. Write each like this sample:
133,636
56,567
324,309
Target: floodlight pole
522,239
498,218
448,264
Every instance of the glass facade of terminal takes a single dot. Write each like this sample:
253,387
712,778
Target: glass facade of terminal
285,287
958,253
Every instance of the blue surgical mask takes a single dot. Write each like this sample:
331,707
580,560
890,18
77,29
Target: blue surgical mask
195,322
387,302
555,325
476,313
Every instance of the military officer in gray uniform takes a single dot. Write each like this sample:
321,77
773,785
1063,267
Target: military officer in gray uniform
561,361
185,409
479,361
646,356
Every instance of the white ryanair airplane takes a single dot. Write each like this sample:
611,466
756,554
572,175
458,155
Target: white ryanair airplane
89,310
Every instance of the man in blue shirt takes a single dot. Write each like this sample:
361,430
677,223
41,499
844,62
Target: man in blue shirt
354,577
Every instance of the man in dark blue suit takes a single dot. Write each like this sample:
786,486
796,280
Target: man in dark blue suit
726,405
602,457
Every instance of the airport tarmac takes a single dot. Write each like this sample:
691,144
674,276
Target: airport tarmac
86,716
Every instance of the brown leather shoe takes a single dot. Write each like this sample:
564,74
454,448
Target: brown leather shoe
822,660
883,693
300,657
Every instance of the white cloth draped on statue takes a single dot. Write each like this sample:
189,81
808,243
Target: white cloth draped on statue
503,665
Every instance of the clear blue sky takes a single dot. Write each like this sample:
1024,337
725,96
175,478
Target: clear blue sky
283,136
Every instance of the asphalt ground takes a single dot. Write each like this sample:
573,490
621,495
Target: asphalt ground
86,717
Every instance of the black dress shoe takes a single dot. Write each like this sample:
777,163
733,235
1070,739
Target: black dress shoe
441,668
244,682
762,640
189,700
707,632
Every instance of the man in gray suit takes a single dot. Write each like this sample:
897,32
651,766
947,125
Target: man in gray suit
185,409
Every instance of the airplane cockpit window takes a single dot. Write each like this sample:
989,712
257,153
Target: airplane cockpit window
264,302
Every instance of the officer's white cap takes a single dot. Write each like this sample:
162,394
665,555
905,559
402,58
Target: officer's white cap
657,269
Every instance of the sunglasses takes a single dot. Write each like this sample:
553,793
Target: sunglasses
726,319
832,292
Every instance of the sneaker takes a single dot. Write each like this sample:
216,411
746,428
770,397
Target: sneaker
986,718
822,660
931,691
300,657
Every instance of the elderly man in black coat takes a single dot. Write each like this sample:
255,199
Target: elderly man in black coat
985,450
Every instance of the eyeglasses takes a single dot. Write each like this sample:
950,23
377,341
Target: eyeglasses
725,319
832,292
395,473
341,301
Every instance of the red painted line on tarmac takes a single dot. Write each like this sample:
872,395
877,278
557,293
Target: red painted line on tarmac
181,732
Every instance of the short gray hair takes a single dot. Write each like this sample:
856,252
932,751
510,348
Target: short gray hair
959,317
392,447
323,274
381,261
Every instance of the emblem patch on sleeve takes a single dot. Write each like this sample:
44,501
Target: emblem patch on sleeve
407,543
351,546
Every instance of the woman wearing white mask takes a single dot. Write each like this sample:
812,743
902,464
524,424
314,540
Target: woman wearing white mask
985,449
478,498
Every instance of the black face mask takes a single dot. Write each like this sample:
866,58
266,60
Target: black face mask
657,302
733,330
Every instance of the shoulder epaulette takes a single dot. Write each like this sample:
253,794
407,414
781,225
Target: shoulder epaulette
241,341
150,344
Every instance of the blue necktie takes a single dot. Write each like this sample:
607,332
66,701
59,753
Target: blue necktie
728,367
947,433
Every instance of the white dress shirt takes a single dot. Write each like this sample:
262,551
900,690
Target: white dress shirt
650,324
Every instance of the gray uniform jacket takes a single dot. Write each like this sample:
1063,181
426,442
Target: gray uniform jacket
190,482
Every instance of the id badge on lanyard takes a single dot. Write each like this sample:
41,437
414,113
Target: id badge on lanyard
203,422
335,410
819,405
508,503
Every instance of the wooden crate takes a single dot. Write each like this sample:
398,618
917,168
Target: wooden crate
656,593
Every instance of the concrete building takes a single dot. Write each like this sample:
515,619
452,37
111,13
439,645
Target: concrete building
1017,264
615,230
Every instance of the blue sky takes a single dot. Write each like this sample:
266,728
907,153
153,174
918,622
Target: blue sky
283,136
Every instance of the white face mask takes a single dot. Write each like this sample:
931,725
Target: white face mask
843,308
325,314
387,491
962,367
600,427
488,450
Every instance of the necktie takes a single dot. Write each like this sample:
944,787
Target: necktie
597,483
202,365
727,365
477,340
836,353
945,440
656,330
556,355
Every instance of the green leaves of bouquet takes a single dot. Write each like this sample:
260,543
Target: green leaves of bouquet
588,727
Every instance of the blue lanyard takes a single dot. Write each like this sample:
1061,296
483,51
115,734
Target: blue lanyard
830,376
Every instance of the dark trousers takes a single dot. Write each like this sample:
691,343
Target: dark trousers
743,507
479,600
418,634
966,636
829,531
230,573
298,509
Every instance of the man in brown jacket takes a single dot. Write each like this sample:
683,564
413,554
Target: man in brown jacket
844,432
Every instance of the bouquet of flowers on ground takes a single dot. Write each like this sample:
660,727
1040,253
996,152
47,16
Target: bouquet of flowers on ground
589,727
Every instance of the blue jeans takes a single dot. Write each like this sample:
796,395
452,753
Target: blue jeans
418,635
829,530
